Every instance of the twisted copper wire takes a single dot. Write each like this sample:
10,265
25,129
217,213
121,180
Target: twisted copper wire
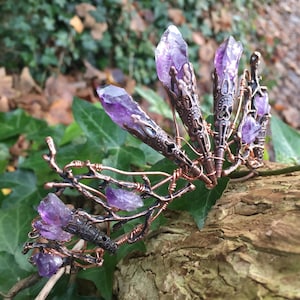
189,170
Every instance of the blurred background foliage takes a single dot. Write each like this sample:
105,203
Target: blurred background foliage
60,37
57,36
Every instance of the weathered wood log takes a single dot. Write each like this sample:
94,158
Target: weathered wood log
249,248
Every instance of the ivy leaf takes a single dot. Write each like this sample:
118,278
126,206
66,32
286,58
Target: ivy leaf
124,158
199,202
22,185
151,155
97,125
10,272
4,156
79,150
102,277
72,132
158,105
286,142
14,225
18,122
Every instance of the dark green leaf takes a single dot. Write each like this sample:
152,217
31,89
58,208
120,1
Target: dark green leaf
124,158
71,133
10,272
97,126
126,249
199,202
151,155
158,105
15,223
286,141
102,277
17,122
4,156
78,150
22,185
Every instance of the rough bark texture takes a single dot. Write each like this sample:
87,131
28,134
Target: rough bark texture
248,249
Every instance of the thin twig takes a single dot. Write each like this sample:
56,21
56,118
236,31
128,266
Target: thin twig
52,280
264,173
21,285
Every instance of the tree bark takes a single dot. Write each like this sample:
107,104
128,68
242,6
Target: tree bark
249,248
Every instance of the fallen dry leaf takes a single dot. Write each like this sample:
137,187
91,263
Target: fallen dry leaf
279,107
221,20
207,51
26,83
7,92
198,38
292,116
137,23
89,21
32,103
2,72
98,30
77,24
20,147
4,104
83,9
92,72
59,113
58,87
176,15
130,85
60,91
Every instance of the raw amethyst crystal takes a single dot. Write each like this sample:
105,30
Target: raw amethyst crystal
250,130
54,215
125,112
53,211
227,59
121,107
261,103
51,232
47,264
172,51
123,199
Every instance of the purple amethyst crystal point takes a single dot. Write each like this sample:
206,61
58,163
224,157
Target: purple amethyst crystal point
51,232
47,264
118,105
262,104
227,58
172,51
53,211
250,130
123,199
121,108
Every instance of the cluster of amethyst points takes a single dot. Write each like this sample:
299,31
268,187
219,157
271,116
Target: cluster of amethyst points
172,54
55,216
171,57
226,67
253,122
